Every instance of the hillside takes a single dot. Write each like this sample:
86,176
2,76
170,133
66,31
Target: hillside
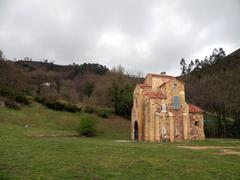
38,120
85,84
215,87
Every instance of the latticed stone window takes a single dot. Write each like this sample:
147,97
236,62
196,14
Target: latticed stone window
176,102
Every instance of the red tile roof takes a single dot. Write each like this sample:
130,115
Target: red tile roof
143,85
194,109
155,95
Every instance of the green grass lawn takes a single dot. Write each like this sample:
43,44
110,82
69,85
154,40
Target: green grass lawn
33,152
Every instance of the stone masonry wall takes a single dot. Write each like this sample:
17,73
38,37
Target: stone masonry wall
196,127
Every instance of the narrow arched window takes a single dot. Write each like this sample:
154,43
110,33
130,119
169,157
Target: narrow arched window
164,108
175,87
163,130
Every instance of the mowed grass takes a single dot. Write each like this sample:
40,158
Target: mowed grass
35,152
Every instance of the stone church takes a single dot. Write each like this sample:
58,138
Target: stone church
160,112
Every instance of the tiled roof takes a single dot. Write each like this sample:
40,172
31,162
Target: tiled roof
143,85
167,77
170,81
161,75
155,95
194,109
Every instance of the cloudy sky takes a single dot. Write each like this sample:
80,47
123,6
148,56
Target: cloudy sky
141,35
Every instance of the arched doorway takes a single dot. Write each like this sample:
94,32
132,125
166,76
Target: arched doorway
135,131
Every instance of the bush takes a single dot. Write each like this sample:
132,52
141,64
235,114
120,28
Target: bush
11,93
88,109
101,112
60,105
72,107
88,125
23,99
57,105
12,104
104,112
39,99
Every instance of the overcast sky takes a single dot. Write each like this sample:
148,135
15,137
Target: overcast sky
141,35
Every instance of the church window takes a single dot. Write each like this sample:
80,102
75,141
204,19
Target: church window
196,123
176,102
163,130
175,87
177,132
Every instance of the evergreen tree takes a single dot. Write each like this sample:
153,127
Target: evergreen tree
1,55
190,67
197,64
183,66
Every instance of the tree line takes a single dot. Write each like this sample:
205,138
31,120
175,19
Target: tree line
217,55
214,85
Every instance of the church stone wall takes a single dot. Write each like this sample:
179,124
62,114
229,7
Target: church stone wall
196,126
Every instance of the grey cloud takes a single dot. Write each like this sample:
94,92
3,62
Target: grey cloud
147,36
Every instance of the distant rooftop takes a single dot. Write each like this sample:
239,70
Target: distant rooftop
160,75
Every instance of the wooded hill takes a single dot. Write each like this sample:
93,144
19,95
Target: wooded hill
69,87
214,85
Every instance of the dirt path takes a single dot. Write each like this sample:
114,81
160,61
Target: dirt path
209,147
223,149
123,141
228,151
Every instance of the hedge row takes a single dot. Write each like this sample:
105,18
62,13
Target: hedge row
10,93
59,105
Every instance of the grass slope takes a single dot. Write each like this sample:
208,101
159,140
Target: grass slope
25,155
43,121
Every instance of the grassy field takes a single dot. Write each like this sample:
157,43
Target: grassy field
49,148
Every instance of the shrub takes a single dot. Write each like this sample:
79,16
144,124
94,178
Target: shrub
56,105
11,93
39,99
89,109
60,105
23,99
104,112
88,125
12,104
72,107
101,112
